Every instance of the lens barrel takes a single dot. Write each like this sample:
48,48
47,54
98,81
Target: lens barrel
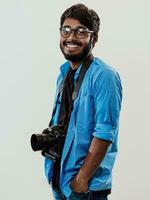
40,141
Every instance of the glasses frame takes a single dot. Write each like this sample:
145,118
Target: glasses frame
75,30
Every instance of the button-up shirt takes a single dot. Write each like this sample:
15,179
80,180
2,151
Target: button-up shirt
95,114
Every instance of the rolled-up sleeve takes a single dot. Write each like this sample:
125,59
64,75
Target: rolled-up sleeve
107,104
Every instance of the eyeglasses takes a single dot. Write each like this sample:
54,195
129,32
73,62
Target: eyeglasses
80,32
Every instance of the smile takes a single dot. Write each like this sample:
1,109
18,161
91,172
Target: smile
72,45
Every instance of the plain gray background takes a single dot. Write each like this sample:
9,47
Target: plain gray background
29,64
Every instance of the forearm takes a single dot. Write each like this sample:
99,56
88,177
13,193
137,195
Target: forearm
97,151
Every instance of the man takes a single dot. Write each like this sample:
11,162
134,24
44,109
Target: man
87,155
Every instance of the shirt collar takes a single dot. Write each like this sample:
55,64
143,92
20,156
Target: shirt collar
65,67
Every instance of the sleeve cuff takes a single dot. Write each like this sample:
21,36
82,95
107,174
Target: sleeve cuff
105,132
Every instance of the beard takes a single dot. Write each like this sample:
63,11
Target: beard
80,56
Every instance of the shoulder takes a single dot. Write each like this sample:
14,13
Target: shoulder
63,70
101,75
99,66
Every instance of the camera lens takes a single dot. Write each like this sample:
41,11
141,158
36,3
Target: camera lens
38,142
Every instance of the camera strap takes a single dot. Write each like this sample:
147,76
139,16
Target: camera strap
86,64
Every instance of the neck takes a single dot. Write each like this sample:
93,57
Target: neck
75,65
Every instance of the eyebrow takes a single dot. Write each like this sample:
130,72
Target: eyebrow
75,27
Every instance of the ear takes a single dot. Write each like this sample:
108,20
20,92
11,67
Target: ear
94,40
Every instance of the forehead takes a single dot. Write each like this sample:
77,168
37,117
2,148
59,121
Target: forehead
72,22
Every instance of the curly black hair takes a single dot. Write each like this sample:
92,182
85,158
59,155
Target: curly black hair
88,17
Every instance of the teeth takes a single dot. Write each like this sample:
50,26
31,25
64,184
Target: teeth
72,45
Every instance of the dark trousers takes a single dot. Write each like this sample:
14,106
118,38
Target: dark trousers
91,195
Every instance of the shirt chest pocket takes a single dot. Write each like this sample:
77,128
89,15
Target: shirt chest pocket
85,111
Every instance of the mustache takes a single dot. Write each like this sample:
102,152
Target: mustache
72,42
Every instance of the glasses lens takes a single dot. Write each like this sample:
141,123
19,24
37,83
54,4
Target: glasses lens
81,33
65,31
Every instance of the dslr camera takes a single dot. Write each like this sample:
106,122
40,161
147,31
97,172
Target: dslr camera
49,142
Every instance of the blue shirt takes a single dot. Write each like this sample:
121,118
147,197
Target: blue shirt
95,114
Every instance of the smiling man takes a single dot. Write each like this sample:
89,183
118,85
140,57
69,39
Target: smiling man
75,47
87,108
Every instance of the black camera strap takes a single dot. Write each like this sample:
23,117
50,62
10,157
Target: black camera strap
64,116
84,68
86,64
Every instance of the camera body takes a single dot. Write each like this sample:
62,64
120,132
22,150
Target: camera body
50,142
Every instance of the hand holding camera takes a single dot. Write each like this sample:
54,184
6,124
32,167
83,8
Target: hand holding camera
49,142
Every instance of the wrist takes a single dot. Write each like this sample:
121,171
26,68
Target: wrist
82,178
78,184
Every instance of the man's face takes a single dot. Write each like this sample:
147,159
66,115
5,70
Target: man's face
73,47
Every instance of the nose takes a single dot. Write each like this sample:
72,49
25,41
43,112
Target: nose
72,35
